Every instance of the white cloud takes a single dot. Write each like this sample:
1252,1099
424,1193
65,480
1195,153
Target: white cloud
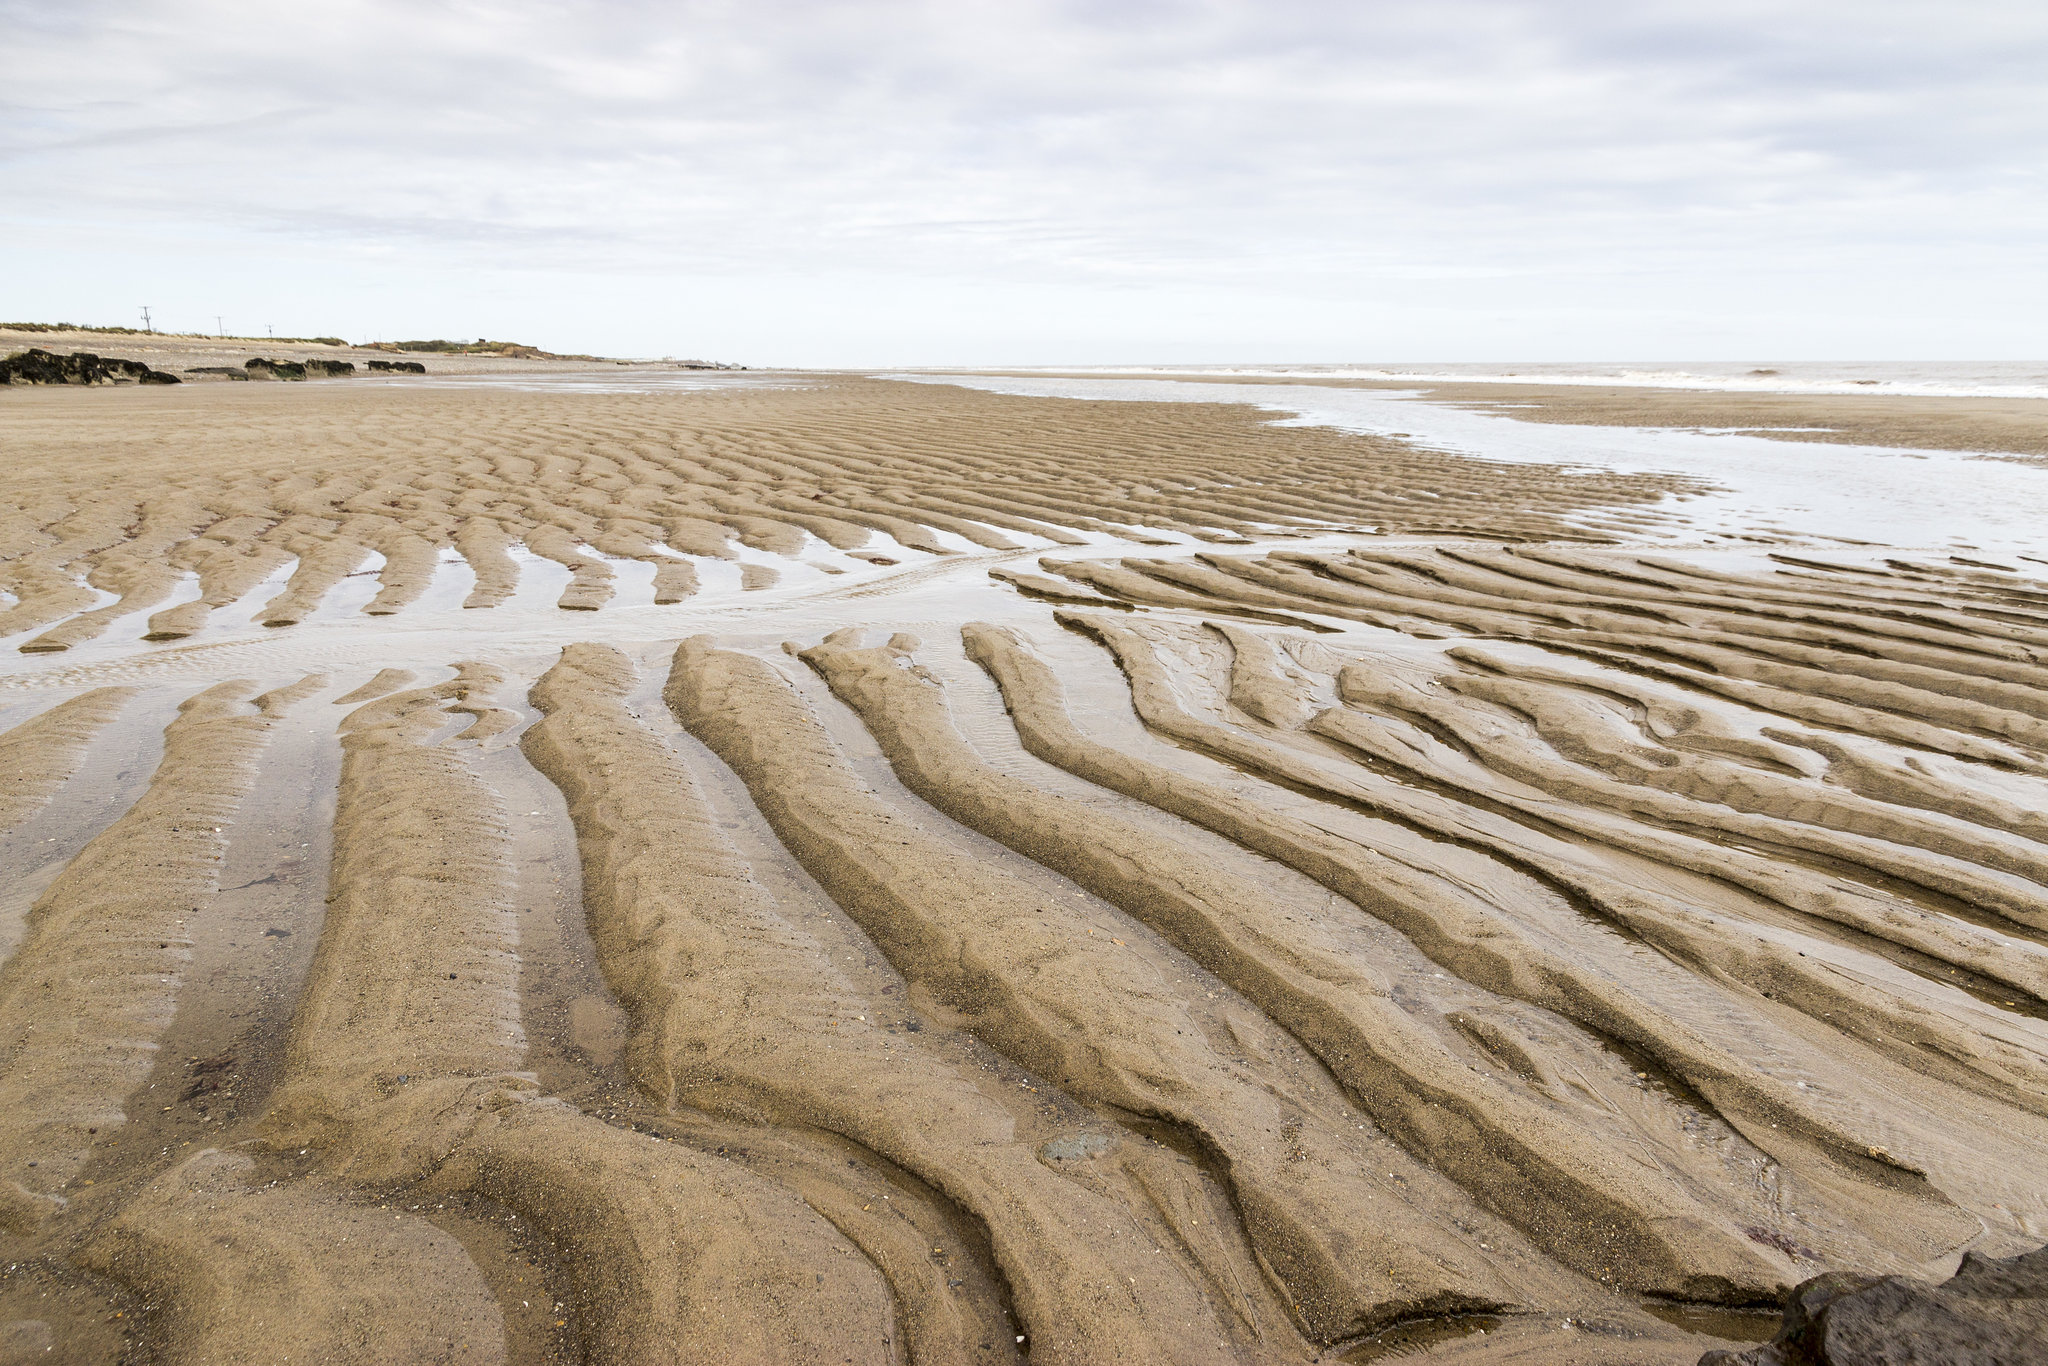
879,182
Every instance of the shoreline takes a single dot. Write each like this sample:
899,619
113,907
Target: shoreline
1966,424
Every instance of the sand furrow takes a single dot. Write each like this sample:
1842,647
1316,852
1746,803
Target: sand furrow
1926,1021
674,581
95,980
903,885
1750,776
230,563
1909,616
404,1067
930,515
1706,806
43,591
1721,1045
1537,1165
1803,619
247,1272
37,755
1972,668
1121,582
1053,590
2004,710
486,546
1904,731
1894,711
1264,683
590,578
1209,583
322,564
1945,939
409,565
728,996
1464,937
969,504
139,578
882,517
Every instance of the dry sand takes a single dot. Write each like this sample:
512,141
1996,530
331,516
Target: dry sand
560,864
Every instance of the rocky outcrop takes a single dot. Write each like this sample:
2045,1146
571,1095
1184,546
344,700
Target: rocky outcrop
1990,1311
399,367
257,367
37,366
224,371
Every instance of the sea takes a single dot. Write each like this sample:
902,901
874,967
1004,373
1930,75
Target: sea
1925,379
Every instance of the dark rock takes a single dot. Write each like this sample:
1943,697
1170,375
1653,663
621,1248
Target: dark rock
37,366
1990,1313
260,368
400,367
226,371
329,369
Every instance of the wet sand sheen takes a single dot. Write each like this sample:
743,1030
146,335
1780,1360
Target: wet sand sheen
827,869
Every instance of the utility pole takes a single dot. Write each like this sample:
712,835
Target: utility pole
220,329
147,326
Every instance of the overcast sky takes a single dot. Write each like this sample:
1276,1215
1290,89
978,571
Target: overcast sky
869,182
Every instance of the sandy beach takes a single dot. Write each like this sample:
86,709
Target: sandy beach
553,862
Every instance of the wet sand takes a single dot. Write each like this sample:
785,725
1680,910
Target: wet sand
2016,426
535,867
